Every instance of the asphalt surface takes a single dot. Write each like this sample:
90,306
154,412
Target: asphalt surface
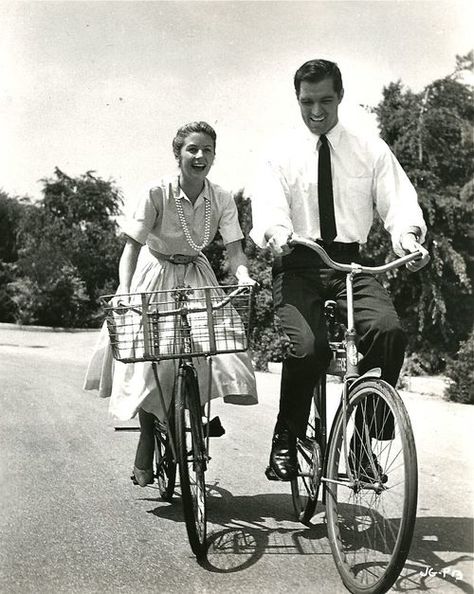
72,521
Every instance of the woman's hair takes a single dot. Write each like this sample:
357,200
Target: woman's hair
317,70
186,130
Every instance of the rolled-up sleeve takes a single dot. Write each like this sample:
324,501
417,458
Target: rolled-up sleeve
270,206
141,221
396,199
229,226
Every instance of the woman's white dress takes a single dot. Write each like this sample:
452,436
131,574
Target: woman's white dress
155,224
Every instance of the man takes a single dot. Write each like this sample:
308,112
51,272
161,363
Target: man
324,184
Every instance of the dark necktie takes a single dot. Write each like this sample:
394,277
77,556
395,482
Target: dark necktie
327,219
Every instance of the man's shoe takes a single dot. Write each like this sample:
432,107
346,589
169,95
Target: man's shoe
142,477
283,463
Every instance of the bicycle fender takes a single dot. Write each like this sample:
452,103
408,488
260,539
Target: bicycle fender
374,373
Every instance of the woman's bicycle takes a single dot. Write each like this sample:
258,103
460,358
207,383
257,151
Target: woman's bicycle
367,465
182,323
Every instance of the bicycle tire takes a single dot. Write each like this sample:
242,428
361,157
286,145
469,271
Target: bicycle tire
305,486
165,465
371,523
192,458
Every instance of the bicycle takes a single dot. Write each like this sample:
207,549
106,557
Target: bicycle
181,323
367,465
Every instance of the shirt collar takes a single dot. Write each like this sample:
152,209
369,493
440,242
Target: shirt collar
178,191
333,136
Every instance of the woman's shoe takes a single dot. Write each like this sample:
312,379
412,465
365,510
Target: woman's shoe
143,477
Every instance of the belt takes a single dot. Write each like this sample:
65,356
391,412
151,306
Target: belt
176,258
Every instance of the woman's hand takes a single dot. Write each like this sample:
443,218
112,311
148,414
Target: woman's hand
243,277
238,263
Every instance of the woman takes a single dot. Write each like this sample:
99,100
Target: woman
179,216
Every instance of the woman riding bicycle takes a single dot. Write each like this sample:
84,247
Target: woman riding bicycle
176,220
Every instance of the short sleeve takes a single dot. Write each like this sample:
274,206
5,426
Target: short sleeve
142,220
229,226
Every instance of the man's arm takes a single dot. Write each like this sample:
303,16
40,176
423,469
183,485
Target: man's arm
271,216
397,204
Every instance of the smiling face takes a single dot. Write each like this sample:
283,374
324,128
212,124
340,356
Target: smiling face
319,104
196,156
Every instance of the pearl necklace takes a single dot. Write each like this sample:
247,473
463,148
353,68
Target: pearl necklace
184,225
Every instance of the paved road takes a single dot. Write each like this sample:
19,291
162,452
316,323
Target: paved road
71,520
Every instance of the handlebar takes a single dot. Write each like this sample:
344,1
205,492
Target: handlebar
353,267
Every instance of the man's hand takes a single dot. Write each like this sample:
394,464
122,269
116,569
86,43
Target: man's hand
278,241
409,244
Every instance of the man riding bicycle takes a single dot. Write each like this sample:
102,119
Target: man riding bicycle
323,183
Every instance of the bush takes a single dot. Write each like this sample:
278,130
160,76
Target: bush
461,373
62,301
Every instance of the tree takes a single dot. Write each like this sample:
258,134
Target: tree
431,134
69,251
11,211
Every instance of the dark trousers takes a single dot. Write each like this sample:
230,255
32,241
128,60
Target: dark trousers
301,284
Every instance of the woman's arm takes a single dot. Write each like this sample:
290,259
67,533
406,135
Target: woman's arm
238,262
128,264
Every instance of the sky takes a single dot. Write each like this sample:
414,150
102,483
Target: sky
104,86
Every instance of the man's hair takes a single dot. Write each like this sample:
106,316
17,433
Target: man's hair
186,130
316,71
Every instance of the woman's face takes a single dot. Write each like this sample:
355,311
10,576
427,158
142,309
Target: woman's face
197,156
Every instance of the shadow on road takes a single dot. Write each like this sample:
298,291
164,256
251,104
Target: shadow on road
246,531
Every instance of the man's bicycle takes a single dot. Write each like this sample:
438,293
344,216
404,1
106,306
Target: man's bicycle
367,465
182,323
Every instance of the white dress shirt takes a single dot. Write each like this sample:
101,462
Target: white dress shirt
365,174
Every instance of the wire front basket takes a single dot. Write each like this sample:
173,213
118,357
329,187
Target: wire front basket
179,322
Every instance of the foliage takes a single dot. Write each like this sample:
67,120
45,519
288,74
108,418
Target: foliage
67,251
431,135
10,214
461,373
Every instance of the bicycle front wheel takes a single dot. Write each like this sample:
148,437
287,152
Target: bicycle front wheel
371,489
192,458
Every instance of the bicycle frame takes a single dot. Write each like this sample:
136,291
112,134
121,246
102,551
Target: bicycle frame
184,361
183,308
351,375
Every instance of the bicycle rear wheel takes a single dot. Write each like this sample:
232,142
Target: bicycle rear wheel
371,506
305,487
192,458
165,465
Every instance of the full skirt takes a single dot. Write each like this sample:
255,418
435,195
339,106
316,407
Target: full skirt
133,385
